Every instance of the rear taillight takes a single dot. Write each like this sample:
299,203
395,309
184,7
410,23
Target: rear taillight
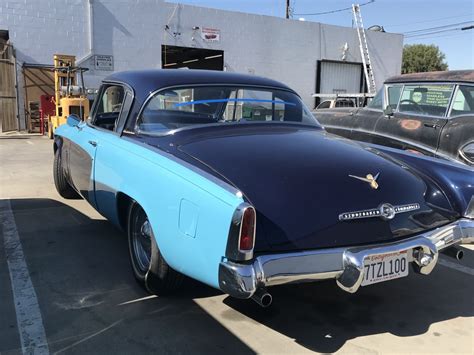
241,239
247,230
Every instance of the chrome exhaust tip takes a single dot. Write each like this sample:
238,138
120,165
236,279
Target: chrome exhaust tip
262,297
454,252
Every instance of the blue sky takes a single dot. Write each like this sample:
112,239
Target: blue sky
395,15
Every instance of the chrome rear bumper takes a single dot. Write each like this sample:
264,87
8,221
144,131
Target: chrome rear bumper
346,265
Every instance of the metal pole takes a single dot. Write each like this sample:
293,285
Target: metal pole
287,9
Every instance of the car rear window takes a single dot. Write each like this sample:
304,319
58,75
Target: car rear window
180,107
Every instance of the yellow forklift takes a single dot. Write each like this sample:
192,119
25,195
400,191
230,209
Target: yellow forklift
70,98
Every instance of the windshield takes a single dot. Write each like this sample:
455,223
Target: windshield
183,107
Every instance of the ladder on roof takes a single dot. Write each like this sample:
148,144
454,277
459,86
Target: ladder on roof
364,49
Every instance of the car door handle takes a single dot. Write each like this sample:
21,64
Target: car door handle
431,125
93,143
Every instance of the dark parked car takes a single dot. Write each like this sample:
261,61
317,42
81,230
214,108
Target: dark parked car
229,179
430,113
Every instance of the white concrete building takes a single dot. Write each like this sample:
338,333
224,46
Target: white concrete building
121,35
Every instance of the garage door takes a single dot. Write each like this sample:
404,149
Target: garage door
8,107
339,77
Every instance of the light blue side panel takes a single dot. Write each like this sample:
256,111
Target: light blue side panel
160,184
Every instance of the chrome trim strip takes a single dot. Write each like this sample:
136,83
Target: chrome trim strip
346,265
233,190
378,212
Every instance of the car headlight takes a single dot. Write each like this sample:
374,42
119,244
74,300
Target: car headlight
467,152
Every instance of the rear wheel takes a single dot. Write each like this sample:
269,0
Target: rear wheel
62,185
148,265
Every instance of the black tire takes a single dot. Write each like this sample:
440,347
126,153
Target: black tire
62,185
148,265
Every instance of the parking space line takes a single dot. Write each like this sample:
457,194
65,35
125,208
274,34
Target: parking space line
28,314
456,266
88,337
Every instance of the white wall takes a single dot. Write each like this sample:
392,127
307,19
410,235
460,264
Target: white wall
285,50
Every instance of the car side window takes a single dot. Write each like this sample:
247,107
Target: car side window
324,104
393,93
377,102
108,106
463,102
429,100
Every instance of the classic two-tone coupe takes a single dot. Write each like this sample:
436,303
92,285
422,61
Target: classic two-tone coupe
230,180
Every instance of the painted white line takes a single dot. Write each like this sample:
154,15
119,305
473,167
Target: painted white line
138,300
30,142
456,266
88,337
28,315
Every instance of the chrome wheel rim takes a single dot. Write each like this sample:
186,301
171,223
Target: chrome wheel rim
142,245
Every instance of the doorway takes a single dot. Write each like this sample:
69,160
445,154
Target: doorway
8,100
174,57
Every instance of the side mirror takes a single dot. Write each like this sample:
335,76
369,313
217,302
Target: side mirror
73,120
467,152
388,111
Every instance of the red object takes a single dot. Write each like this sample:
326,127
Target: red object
47,108
247,233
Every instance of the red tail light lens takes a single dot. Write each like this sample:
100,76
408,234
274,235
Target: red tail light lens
247,231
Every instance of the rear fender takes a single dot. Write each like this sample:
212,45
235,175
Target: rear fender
189,213
454,179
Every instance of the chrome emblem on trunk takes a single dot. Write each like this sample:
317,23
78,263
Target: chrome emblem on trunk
372,180
385,211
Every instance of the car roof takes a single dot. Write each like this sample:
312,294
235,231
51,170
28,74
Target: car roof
151,80
443,76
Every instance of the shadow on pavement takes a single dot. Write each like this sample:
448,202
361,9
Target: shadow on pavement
91,303
89,299
321,317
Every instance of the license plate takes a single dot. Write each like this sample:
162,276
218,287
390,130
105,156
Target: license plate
384,267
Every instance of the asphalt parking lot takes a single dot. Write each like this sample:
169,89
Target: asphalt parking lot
89,302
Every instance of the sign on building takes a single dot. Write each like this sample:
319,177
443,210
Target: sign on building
104,62
210,34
